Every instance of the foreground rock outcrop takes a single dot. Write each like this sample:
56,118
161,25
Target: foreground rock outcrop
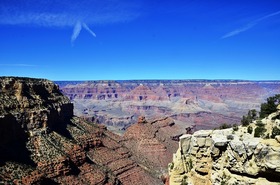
41,142
229,156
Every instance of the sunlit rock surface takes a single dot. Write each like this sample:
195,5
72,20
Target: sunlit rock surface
229,156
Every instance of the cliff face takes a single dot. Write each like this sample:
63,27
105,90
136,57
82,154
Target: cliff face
206,104
151,143
41,142
32,106
229,156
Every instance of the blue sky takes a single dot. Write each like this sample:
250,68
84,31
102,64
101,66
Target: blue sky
140,39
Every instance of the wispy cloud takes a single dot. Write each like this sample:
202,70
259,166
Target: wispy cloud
68,13
61,13
18,65
249,25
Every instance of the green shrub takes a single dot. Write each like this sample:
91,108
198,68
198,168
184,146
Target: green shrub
224,126
270,106
245,121
185,181
250,130
171,165
251,115
259,123
275,132
259,131
235,127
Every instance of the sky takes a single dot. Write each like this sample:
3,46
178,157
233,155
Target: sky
140,39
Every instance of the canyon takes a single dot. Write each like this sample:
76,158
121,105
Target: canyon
197,104
42,142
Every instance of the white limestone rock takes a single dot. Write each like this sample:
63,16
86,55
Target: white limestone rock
202,133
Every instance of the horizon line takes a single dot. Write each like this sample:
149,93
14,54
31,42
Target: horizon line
190,79
155,79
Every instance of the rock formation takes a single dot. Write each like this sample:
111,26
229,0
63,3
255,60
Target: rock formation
229,156
204,103
41,142
152,143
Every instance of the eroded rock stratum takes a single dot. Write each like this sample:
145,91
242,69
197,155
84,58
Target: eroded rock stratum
205,104
41,142
229,156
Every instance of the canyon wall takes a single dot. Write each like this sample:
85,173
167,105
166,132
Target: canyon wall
205,104
41,142
31,105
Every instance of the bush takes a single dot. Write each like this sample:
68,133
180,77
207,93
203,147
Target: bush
235,127
245,121
185,181
259,131
275,132
250,130
259,123
224,126
251,115
171,165
270,106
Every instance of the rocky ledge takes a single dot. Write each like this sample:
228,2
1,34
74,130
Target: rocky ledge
32,106
229,156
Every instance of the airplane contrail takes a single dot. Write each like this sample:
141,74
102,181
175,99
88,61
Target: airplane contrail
249,25
88,29
77,30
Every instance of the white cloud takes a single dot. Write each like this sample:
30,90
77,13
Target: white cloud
249,25
61,13
67,13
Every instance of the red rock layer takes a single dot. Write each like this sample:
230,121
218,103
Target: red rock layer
151,143
44,144
119,103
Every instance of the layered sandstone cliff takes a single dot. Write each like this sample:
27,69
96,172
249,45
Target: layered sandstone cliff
32,106
41,142
229,156
204,103
152,143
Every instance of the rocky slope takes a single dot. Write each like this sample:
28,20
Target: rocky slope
41,142
204,103
229,156
152,143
